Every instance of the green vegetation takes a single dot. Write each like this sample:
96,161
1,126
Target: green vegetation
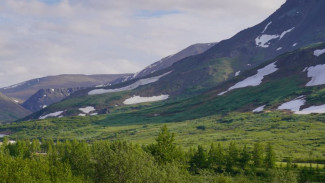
292,135
161,161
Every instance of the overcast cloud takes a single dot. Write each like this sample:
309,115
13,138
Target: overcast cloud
50,37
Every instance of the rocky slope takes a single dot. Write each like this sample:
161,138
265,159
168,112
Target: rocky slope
45,97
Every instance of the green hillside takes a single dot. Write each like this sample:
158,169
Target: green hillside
9,110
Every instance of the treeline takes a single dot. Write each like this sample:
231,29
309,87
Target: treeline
162,161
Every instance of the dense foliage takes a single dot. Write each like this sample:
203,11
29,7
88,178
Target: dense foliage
162,161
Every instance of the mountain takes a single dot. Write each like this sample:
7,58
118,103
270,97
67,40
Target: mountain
24,90
167,61
10,110
293,77
45,97
298,23
279,92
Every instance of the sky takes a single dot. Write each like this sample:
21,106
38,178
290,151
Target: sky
49,37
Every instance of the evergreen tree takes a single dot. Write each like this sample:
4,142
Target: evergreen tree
35,146
232,157
270,158
289,163
258,155
245,157
199,160
216,156
164,150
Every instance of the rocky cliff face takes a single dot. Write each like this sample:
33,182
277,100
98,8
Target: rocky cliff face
46,97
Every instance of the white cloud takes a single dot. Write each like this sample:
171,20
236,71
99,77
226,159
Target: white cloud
105,36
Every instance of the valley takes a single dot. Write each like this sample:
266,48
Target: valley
250,108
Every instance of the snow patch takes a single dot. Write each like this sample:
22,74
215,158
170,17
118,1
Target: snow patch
267,26
286,32
295,44
259,109
54,114
94,114
317,75
14,86
263,40
99,86
318,53
313,109
296,104
256,79
293,105
44,106
83,115
129,87
305,69
138,99
237,73
280,48
87,110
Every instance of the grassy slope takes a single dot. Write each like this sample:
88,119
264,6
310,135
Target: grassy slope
225,118
9,110
293,135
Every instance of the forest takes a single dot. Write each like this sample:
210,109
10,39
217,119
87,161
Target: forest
49,160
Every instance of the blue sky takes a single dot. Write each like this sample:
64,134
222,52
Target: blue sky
156,13
50,37
50,2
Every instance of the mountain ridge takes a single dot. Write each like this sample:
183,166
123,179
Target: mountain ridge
10,110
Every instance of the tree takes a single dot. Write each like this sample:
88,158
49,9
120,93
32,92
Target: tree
270,158
232,157
245,157
258,155
289,163
199,160
216,155
164,150
35,146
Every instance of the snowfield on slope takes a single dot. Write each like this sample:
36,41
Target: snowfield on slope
317,75
264,39
313,109
54,114
296,104
318,53
87,110
129,87
138,99
293,105
259,109
256,79
267,26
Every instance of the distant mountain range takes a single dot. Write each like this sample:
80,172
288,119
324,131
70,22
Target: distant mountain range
24,90
10,110
297,24
275,62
